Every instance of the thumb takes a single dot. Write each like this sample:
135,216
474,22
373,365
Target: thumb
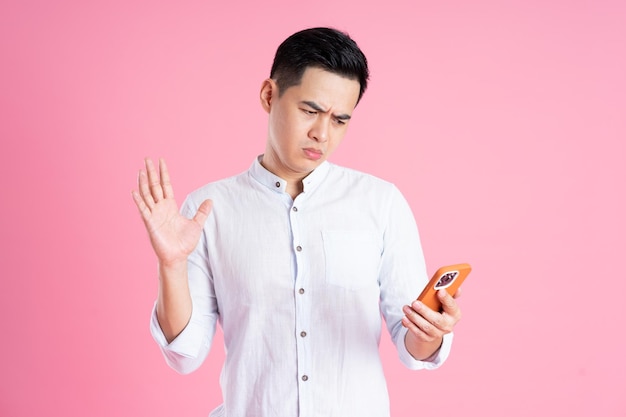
458,293
203,212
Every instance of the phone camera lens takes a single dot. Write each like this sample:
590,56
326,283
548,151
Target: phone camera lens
446,279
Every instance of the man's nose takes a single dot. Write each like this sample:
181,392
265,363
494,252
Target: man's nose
320,129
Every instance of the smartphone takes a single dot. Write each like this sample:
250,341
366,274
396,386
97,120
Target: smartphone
449,278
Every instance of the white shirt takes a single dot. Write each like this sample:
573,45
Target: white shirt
298,287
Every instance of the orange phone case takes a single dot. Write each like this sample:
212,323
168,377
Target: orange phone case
449,277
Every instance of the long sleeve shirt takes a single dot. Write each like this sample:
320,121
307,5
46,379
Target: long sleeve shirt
300,288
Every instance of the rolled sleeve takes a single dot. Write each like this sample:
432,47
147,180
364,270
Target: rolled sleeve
433,362
187,351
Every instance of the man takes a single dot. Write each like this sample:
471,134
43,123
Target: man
296,258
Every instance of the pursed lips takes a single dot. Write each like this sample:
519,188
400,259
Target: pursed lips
313,153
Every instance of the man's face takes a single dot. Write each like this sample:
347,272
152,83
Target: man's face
308,122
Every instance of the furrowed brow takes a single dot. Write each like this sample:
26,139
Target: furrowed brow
317,107
314,106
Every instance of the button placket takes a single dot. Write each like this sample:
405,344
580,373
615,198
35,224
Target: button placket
301,300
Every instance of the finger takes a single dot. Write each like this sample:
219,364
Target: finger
203,212
458,293
413,328
427,324
144,189
168,190
444,323
141,205
449,305
153,179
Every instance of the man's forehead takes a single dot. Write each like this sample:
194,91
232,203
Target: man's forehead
328,89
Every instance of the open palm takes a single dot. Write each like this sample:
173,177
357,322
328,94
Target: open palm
173,236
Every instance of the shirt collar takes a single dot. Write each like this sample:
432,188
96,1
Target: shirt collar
274,182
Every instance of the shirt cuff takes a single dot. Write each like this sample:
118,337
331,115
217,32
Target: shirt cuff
433,362
187,343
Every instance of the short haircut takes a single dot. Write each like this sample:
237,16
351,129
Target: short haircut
325,48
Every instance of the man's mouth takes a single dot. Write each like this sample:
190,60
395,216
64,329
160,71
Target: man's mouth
313,154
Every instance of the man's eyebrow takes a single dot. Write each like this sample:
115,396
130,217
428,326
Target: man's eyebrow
317,107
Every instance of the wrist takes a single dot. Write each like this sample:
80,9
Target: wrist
175,265
173,273
422,350
433,355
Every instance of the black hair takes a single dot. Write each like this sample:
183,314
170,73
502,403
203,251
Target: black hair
325,48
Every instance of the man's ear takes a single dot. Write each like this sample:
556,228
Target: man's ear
269,92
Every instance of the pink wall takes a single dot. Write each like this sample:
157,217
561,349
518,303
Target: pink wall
504,125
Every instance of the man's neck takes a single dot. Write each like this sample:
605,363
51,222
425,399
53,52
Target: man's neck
294,183
294,188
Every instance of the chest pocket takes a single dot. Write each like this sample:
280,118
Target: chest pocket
352,258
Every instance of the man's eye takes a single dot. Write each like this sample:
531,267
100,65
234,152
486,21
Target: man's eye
309,112
340,122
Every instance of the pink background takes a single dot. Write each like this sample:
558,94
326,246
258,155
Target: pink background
502,122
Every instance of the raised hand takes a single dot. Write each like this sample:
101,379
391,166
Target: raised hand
172,235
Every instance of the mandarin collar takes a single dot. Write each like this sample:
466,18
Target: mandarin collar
274,182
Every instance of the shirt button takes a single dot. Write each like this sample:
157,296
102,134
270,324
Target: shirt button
305,378
299,248
303,334
295,208
277,184
301,290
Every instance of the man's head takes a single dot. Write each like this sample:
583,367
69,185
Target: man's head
324,48
317,79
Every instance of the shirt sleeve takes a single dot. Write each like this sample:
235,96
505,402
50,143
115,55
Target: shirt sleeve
190,348
433,362
402,277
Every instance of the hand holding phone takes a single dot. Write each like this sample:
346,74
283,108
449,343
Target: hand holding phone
449,278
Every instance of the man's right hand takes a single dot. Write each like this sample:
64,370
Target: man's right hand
173,238
172,235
